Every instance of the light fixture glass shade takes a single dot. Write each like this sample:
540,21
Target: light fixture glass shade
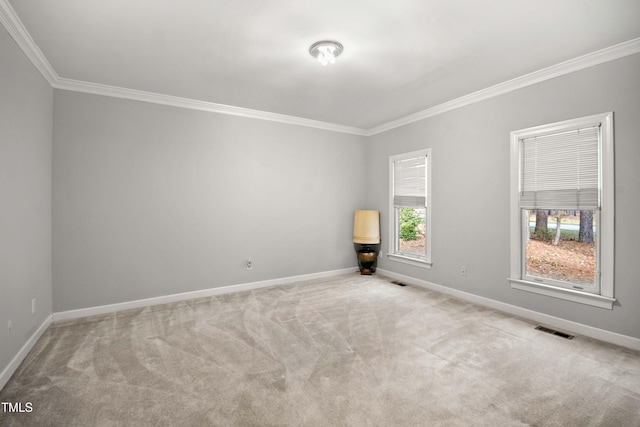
326,51
366,227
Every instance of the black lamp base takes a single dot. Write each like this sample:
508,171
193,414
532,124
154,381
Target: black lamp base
367,257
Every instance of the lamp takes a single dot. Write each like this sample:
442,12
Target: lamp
366,239
326,51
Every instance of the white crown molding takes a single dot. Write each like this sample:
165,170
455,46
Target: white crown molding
22,37
601,56
14,27
193,104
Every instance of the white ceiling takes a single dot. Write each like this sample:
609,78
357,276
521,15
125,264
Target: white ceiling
400,56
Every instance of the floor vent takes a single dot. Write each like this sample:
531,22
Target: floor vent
395,282
554,332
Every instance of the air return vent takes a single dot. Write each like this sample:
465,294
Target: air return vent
395,282
554,332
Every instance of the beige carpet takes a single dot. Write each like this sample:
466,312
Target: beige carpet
351,350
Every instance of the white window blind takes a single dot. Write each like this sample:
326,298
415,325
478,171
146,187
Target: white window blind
409,183
561,171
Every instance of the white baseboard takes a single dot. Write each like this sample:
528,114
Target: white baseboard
26,348
578,328
556,322
111,308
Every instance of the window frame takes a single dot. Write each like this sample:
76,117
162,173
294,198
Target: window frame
422,261
603,297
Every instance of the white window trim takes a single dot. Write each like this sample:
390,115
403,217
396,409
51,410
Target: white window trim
418,262
605,298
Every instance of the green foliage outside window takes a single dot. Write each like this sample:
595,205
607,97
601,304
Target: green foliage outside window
409,220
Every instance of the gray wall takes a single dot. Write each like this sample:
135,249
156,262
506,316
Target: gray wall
152,200
470,185
25,197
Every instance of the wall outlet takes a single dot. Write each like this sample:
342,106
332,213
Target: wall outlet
33,306
249,264
9,326
463,271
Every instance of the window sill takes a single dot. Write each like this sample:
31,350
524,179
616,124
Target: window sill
566,294
411,261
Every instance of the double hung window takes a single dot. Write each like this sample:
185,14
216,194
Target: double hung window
410,207
562,210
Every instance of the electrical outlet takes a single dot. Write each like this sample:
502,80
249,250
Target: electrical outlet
9,326
463,270
249,264
33,306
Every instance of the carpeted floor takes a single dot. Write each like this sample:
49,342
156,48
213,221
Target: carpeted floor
350,350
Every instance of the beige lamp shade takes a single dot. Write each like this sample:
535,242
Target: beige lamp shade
366,227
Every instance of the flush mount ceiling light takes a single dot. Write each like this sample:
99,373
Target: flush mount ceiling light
326,51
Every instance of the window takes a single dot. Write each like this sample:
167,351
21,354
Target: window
562,210
410,208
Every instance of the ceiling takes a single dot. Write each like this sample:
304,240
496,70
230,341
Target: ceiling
400,57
